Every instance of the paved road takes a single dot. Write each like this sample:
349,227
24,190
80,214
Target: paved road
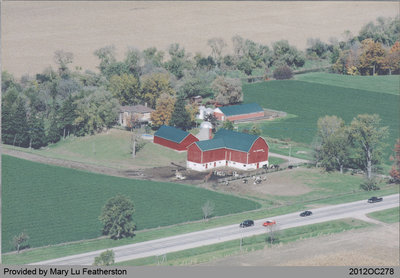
181,242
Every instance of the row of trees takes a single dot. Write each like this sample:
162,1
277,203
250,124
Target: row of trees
358,145
368,58
57,103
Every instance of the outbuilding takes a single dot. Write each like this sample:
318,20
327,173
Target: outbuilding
228,148
174,138
239,112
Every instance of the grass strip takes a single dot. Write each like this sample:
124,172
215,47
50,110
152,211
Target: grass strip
388,215
212,252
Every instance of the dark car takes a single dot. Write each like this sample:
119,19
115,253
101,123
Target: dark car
246,223
305,213
375,200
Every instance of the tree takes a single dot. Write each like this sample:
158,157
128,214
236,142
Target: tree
53,131
395,171
386,31
117,219
372,58
287,54
62,59
246,65
96,111
255,130
367,137
227,125
227,90
208,209
164,108
392,59
125,88
316,47
153,56
20,128
7,123
154,85
106,258
196,85
178,62
8,81
180,117
333,151
106,56
369,185
217,45
133,60
283,72
193,110
211,119
67,116
37,136
20,241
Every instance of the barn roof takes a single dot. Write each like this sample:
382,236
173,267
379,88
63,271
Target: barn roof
212,144
171,133
236,140
228,139
241,109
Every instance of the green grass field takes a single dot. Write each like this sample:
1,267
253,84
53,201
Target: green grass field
383,83
111,149
388,215
53,204
306,102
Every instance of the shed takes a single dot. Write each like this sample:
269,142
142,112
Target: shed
174,138
239,112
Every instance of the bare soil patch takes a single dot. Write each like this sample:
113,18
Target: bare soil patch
375,246
33,31
281,183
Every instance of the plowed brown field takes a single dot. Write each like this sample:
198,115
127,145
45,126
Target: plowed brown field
33,31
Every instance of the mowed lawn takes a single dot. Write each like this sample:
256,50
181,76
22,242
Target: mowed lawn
309,101
111,149
54,204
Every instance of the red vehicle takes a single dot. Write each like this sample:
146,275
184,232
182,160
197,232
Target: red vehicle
269,223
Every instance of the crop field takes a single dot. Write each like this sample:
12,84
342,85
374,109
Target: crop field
388,84
84,26
54,204
310,101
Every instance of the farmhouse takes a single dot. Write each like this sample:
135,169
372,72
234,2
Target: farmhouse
239,112
174,138
137,113
228,148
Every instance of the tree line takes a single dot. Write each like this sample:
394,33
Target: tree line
358,145
61,102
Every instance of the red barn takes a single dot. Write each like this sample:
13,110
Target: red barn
228,148
239,112
174,138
